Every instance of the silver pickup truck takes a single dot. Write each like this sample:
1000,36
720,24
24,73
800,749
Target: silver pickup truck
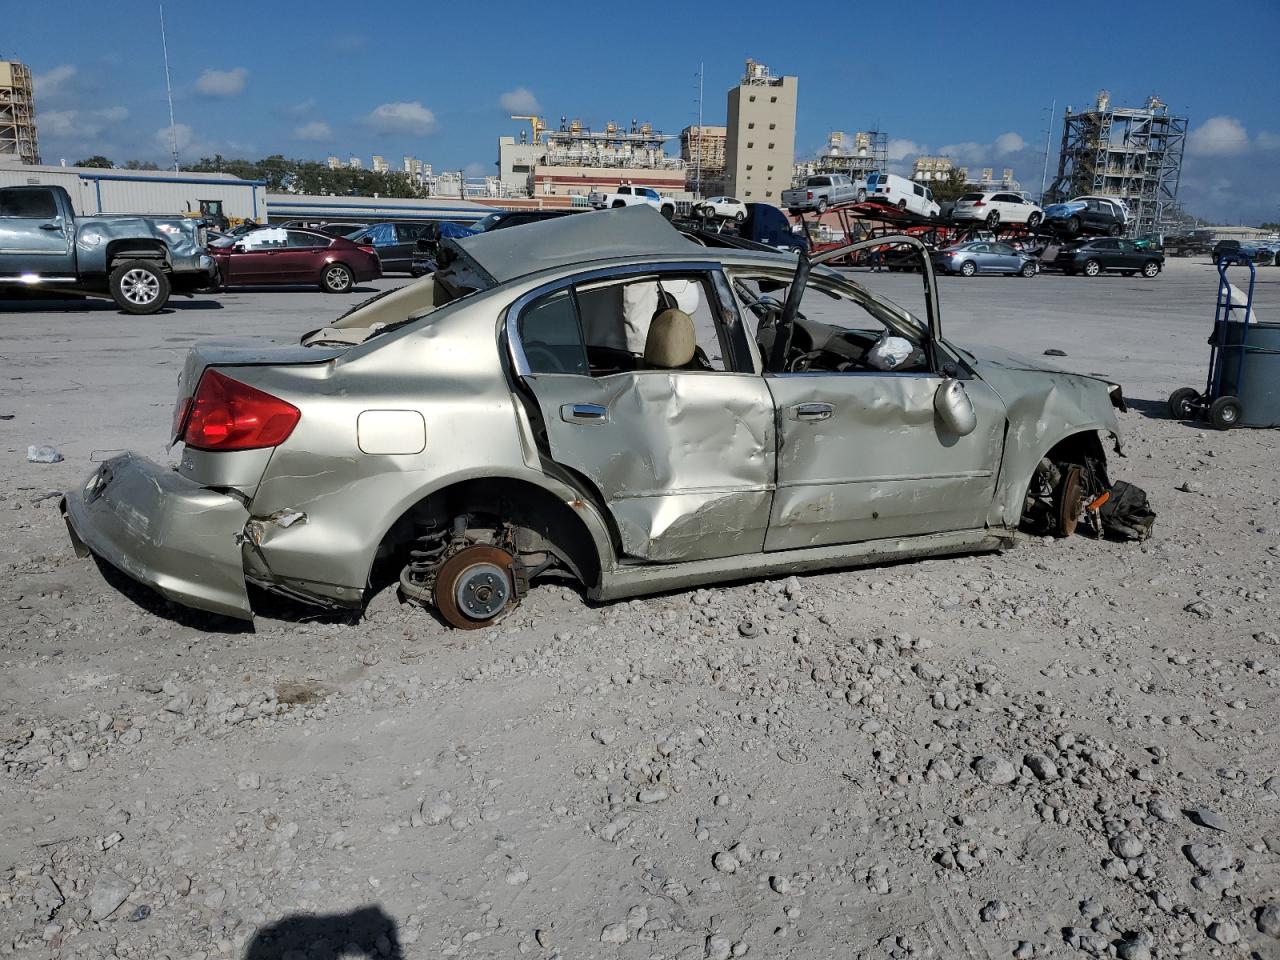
135,261
823,190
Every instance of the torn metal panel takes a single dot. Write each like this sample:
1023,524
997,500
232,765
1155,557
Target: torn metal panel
683,460
164,531
881,463
1045,405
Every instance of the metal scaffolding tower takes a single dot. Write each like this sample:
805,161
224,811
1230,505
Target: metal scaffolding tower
867,153
17,113
1134,155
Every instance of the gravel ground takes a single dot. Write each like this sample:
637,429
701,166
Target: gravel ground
1065,750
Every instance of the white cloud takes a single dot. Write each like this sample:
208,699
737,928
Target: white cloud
1218,137
315,130
1267,140
967,152
222,83
519,100
182,134
80,124
1008,143
404,118
300,109
54,83
901,149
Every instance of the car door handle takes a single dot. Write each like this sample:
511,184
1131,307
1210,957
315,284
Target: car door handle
583,413
812,411
50,226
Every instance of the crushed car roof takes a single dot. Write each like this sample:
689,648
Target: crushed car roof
625,232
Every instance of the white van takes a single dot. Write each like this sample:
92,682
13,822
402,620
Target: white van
902,193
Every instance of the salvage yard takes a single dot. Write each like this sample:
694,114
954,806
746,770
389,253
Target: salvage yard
1067,749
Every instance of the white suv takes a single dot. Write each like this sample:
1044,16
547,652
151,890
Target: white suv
722,208
996,208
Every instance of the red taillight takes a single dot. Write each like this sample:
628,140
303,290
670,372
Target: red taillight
979,203
367,248
180,417
226,414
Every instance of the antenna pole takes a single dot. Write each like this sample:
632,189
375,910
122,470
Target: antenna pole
173,127
1048,134
702,140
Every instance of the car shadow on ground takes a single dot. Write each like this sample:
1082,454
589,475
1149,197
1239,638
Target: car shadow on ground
367,931
290,288
202,302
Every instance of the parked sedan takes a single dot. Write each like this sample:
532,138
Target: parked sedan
1092,257
722,208
983,256
1087,215
394,243
597,398
996,208
280,256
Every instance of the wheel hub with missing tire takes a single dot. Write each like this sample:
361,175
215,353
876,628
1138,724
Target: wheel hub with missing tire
475,586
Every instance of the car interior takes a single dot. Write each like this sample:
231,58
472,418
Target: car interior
618,326
843,336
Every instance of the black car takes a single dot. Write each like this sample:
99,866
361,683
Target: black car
1258,254
1094,215
394,242
1092,257
427,246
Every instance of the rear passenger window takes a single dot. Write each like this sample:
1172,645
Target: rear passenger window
550,337
28,204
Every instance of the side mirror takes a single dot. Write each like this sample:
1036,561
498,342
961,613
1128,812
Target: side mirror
239,246
954,408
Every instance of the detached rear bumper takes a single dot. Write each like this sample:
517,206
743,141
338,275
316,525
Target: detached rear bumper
164,531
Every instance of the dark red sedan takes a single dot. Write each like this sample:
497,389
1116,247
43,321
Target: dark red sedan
286,256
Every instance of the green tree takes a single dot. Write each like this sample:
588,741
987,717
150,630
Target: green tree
952,188
97,160
140,165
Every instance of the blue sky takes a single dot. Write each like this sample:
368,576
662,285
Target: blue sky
431,80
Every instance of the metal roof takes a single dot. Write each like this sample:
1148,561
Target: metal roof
563,241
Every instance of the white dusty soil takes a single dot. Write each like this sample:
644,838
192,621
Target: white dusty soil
1069,749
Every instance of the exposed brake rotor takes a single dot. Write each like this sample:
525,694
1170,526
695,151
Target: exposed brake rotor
1070,499
475,587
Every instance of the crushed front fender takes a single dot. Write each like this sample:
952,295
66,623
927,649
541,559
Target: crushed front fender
165,531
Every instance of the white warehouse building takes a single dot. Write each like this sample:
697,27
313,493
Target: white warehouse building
154,192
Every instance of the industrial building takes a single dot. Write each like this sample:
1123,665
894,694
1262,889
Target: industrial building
1132,154
928,169
17,113
283,207
760,147
161,192
864,153
574,159
702,148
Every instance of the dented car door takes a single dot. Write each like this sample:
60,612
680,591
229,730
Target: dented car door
682,457
862,456
866,450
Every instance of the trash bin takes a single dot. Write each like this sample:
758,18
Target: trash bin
1255,378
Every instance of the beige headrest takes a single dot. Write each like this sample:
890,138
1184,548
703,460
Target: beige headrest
671,342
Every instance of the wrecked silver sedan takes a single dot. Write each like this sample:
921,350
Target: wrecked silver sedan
596,397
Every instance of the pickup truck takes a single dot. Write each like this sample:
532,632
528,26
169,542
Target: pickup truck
822,191
135,261
629,196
